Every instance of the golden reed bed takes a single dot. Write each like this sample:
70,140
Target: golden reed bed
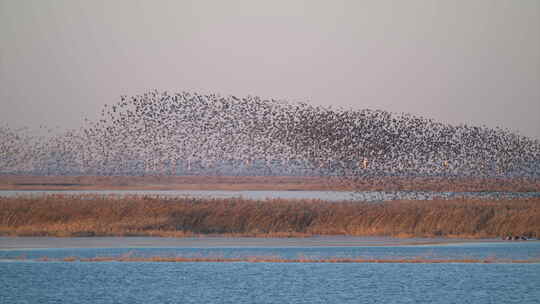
99,215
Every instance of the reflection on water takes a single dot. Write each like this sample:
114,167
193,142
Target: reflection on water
369,196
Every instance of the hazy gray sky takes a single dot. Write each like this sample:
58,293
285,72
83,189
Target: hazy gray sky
469,61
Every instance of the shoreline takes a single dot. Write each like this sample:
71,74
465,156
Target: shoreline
44,243
263,259
281,183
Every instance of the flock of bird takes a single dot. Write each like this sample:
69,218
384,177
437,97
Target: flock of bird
159,133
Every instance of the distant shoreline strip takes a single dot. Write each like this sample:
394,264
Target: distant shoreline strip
263,259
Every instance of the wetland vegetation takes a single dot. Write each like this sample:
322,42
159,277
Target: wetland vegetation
102,215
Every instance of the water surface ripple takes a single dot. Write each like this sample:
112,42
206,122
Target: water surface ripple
26,279
115,282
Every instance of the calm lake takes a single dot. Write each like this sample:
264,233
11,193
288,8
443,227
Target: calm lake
25,279
369,196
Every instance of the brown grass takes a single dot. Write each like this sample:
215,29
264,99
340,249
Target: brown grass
13,182
95,215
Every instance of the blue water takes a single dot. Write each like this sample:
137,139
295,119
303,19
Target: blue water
32,281
115,282
369,196
495,250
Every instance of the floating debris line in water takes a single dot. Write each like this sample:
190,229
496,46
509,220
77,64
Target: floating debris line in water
159,133
279,259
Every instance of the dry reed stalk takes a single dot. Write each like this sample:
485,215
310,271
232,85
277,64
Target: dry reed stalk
96,215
